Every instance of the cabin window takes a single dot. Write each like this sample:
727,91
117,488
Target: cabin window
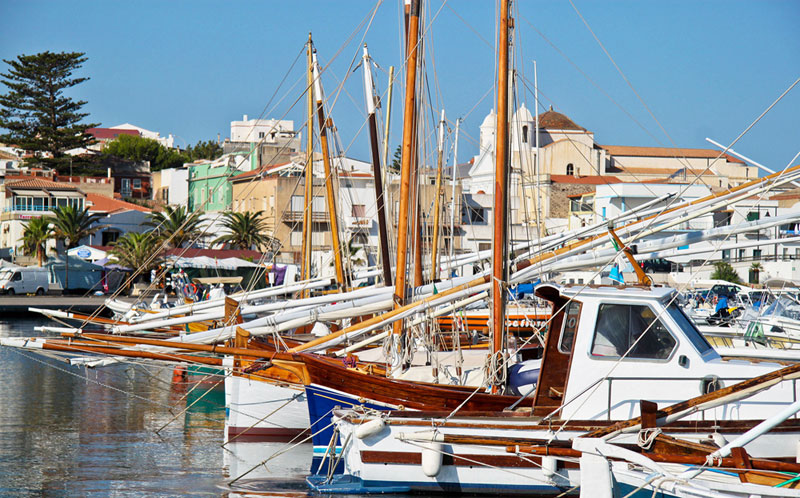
569,326
631,329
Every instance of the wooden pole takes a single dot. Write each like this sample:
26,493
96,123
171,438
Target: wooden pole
405,173
308,212
437,204
341,278
499,248
369,95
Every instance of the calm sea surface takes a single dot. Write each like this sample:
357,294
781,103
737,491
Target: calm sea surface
124,431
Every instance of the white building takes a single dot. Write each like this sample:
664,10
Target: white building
168,141
267,130
171,186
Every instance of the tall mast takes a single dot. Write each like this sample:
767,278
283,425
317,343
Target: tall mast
409,111
309,172
453,195
369,95
500,246
436,204
341,281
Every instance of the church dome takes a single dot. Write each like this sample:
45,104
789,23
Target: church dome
523,115
490,121
556,121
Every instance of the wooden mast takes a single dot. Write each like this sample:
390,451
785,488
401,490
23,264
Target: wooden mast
409,112
499,248
369,95
309,172
341,279
437,204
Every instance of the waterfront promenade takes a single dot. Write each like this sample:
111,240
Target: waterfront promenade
83,304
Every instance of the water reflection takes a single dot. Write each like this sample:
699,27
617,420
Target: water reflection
68,431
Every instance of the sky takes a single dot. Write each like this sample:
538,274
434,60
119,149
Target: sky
667,73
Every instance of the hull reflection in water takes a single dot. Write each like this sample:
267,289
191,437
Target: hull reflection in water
271,468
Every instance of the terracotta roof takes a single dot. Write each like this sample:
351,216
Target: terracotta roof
110,133
590,192
664,171
39,183
788,195
627,150
103,204
215,253
556,121
354,174
584,180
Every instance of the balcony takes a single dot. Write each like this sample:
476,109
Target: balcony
297,217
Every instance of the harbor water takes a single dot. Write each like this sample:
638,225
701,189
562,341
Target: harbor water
124,430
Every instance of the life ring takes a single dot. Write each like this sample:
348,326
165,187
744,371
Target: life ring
190,289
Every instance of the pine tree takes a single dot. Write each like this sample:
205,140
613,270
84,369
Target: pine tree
35,112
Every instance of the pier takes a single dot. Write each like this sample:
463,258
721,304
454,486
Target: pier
20,304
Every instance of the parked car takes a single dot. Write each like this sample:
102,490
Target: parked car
656,266
24,281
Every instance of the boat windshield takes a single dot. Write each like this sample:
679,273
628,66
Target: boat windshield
783,307
689,329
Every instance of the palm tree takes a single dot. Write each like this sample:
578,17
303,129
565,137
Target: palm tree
175,225
135,250
70,226
35,235
245,231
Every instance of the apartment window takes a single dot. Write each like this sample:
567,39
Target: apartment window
317,237
525,134
137,183
297,203
359,211
756,254
297,237
260,134
726,254
741,254
319,204
22,203
477,214
126,186
264,204
570,169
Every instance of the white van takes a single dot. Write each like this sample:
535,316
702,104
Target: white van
24,281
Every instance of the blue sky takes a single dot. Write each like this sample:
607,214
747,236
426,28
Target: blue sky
188,68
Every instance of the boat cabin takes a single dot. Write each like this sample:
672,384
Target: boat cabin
607,348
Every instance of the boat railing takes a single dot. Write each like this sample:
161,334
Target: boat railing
703,382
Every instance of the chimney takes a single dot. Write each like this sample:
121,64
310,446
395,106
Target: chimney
244,118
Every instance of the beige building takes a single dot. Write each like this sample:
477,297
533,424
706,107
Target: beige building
571,163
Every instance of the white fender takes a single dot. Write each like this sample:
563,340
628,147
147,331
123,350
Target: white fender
370,428
432,455
549,466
